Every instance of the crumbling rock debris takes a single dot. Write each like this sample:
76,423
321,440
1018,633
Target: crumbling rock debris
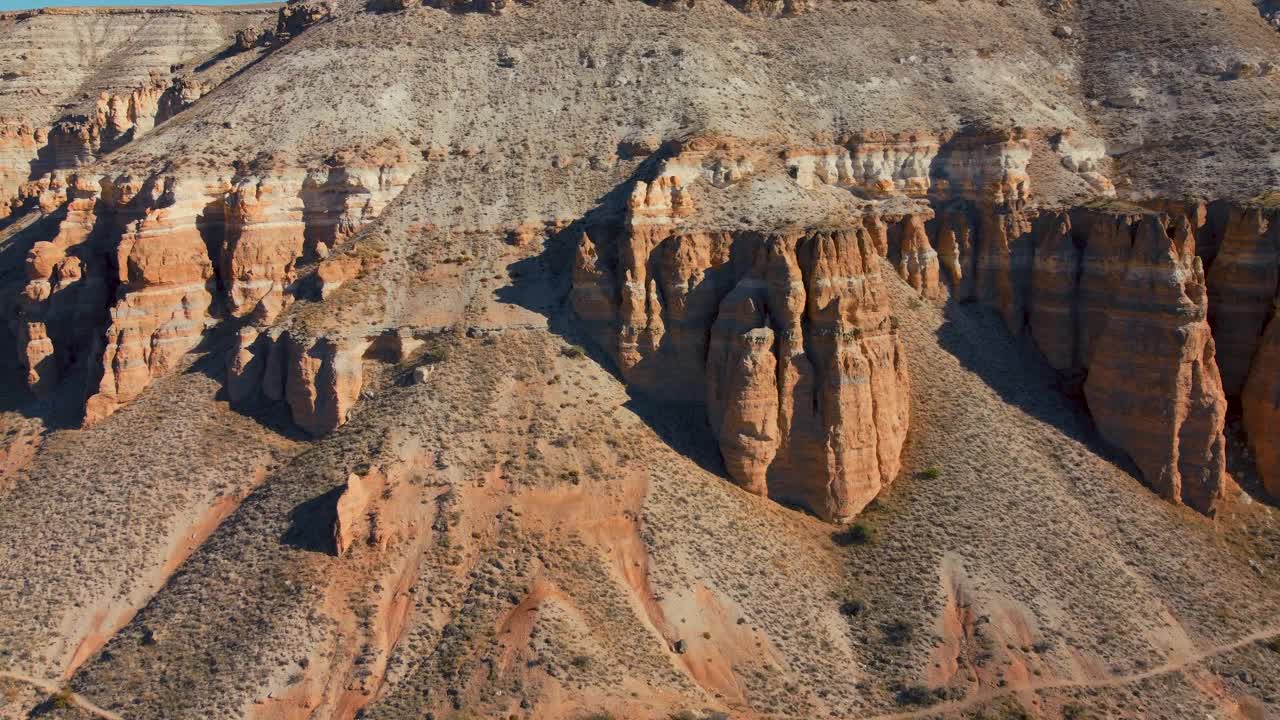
493,7
249,38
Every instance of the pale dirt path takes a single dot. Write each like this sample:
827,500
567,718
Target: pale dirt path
52,687
940,709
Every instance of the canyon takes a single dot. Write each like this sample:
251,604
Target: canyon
640,359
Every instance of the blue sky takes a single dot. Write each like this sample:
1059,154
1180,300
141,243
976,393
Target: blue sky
28,4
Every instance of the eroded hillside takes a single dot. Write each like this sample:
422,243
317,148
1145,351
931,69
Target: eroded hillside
628,359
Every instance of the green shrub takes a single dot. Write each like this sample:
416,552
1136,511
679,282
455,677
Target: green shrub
61,700
1074,711
852,608
933,472
855,534
915,695
573,351
898,632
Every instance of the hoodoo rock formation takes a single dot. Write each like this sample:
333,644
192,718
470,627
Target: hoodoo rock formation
1154,387
1107,295
318,379
785,335
140,270
362,512
164,288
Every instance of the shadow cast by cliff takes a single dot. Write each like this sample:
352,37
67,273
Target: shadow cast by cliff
311,524
1017,372
541,283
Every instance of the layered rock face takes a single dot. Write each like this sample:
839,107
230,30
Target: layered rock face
20,145
115,119
273,222
66,102
1244,289
164,292
1120,299
785,336
1112,295
31,158
1117,300
1243,278
32,150
1261,401
65,297
318,379
140,269
1154,388
124,287
782,333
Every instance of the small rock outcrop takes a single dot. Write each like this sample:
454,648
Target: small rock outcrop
359,518
322,382
298,15
318,379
